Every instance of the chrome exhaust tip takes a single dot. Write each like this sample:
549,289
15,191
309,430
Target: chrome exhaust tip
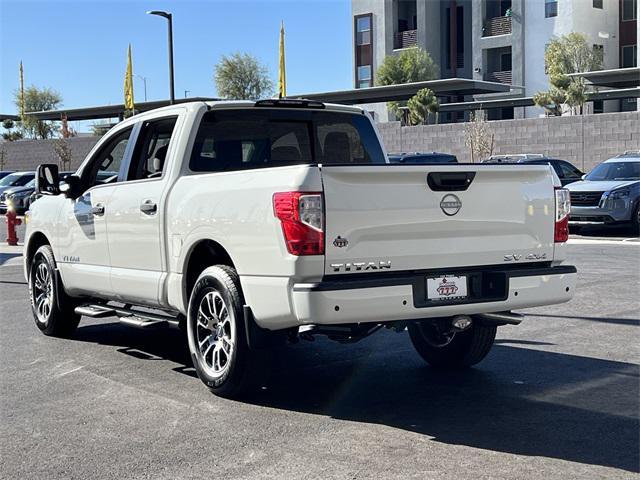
461,322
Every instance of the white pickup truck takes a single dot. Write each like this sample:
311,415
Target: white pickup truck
252,223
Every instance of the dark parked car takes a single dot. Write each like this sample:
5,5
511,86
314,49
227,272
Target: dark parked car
21,198
16,179
567,172
420,158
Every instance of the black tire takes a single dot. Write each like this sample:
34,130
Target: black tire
242,369
53,309
462,350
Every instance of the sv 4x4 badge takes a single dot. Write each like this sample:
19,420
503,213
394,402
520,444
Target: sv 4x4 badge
530,256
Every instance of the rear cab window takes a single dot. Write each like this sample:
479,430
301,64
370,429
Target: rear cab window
240,139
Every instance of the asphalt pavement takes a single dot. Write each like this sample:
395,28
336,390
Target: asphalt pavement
558,397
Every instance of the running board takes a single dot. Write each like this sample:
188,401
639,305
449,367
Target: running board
129,316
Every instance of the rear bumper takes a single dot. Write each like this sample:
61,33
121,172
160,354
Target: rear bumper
391,298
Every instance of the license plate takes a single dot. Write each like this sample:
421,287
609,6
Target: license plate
447,287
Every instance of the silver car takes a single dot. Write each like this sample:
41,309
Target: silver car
609,194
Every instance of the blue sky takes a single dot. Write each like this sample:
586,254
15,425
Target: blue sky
79,47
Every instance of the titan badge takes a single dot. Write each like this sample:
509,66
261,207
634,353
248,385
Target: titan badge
361,266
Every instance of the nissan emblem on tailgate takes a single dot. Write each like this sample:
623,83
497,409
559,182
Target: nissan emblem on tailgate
450,204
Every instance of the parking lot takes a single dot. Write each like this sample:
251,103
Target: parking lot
558,397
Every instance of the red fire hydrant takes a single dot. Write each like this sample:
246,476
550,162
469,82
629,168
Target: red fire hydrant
12,221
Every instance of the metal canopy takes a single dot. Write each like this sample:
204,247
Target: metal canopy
107,111
528,101
388,93
615,78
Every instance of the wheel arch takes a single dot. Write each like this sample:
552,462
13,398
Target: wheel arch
36,240
202,254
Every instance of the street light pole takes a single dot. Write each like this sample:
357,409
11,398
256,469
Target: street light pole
144,80
169,18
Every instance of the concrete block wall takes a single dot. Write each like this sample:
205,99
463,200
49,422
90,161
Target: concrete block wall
584,140
28,154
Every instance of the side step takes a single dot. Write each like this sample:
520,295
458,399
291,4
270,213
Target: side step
129,316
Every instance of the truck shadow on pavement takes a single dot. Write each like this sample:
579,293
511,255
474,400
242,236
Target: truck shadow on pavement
519,400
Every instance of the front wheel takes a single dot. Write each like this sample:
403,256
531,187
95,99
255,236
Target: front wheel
448,349
217,337
53,310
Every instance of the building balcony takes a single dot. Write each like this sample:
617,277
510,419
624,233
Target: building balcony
497,26
500,77
406,39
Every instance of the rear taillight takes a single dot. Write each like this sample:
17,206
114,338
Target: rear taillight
302,217
563,208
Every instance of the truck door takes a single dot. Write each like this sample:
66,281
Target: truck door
135,216
82,235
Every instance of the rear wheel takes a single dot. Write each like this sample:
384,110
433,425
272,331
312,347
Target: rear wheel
217,337
53,310
445,349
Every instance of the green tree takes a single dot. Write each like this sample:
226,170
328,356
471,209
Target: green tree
412,65
570,53
36,100
10,135
421,105
242,77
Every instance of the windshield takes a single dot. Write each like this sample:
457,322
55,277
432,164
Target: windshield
15,180
615,171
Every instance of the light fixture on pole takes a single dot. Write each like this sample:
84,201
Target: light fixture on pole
169,18
144,81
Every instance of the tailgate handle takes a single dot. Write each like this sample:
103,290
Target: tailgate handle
450,181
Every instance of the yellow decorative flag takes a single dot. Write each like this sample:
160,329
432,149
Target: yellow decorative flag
282,78
128,84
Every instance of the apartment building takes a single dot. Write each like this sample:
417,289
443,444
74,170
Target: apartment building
496,40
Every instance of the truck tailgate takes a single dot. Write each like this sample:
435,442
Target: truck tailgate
432,216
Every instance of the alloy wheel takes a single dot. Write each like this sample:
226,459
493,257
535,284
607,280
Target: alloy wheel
43,291
215,334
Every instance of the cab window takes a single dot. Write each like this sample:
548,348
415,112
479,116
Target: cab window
105,165
150,154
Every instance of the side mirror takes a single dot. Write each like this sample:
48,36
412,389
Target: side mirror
71,186
47,179
583,177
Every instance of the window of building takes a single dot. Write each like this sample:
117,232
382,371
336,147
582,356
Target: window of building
363,30
550,8
598,106
598,50
597,4
505,62
460,37
629,10
629,56
364,50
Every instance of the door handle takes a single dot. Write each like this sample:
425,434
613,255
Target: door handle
148,207
98,210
